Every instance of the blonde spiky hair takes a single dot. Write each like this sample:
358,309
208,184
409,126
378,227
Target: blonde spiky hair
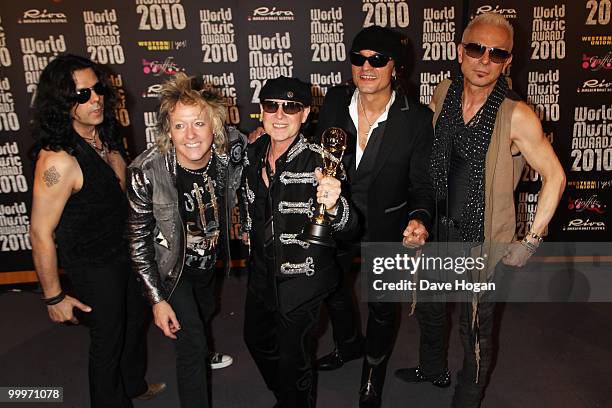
179,88
494,19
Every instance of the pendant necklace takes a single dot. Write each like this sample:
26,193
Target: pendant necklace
92,142
210,241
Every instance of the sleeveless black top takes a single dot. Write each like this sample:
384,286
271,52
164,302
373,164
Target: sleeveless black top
458,183
91,230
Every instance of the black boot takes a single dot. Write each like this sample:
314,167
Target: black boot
340,355
372,382
415,375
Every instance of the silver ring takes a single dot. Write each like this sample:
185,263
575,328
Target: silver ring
325,194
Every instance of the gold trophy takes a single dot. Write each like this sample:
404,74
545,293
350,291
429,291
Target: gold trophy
333,144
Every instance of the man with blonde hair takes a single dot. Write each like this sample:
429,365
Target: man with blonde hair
483,136
180,193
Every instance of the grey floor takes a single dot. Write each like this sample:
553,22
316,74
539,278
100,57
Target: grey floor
551,355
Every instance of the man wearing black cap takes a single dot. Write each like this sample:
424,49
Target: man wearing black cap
288,277
386,161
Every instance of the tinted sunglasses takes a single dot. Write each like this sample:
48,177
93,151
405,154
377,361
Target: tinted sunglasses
496,55
376,60
290,108
82,95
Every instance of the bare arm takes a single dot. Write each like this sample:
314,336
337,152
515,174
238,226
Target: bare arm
528,138
56,177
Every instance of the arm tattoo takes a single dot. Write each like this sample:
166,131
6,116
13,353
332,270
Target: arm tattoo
51,176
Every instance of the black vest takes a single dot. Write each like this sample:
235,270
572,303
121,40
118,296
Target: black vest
91,229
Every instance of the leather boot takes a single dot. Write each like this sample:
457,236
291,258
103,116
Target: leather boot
372,381
340,355
415,375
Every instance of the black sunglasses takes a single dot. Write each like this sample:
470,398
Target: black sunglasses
81,96
496,55
376,60
290,108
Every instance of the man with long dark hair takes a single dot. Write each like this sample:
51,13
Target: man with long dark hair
79,205
390,139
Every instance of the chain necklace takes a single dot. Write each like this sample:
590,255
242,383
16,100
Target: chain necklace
203,172
92,142
365,115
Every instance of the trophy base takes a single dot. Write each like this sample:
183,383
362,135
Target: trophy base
317,234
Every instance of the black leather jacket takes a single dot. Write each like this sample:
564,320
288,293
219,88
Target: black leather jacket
302,272
155,228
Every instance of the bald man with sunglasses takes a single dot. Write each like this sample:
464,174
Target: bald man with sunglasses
483,136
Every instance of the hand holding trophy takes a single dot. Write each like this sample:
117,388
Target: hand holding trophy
333,143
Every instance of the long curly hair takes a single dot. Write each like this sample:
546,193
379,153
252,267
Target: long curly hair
189,91
51,123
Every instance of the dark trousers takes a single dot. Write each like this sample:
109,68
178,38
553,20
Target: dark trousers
381,332
118,325
343,313
433,346
433,323
433,358
381,327
282,348
193,303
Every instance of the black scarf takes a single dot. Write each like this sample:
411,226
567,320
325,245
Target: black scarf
473,138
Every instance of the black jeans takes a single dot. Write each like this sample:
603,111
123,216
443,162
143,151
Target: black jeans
343,312
118,325
282,348
194,304
433,346
433,319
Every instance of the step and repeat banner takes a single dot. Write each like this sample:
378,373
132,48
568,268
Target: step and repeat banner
561,66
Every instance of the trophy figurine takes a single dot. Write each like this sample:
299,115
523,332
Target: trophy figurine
318,229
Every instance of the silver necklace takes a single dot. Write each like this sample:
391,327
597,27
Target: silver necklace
202,172
92,142
365,115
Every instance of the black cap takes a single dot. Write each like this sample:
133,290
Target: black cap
286,89
382,40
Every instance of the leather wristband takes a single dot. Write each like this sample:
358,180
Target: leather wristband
55,299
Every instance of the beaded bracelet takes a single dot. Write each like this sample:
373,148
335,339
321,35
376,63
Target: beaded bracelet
529,246
55,299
